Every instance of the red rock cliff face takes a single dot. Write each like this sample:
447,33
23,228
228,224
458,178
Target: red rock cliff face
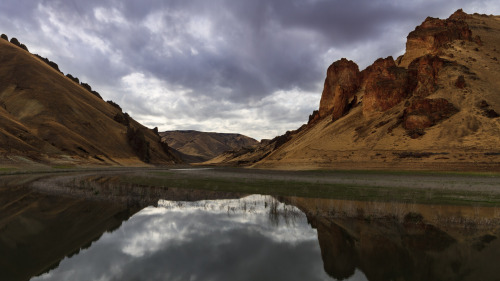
423,72
385,85
424,113
341,83
434,34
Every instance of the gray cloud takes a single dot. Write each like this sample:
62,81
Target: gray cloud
228,55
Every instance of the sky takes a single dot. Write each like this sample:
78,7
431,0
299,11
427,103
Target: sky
234,66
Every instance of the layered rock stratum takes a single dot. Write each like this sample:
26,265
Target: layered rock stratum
435,107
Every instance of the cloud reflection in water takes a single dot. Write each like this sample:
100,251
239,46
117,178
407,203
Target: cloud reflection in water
252,238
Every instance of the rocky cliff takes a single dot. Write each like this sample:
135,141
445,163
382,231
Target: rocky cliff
435,107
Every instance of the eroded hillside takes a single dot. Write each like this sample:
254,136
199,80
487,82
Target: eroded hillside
49,118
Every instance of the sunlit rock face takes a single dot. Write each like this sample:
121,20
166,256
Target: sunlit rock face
434,34
384,85
341,83
386,82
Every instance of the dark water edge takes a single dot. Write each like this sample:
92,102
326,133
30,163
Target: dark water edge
355,239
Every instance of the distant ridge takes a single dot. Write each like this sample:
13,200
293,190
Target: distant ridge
195,146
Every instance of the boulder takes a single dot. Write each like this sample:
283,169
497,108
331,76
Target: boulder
424,113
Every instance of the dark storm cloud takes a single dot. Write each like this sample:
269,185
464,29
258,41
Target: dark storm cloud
240,52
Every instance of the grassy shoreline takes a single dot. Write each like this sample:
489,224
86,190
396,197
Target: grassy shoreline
311,189
449,188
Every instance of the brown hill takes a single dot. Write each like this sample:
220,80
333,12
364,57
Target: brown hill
435,107
195,146
48,118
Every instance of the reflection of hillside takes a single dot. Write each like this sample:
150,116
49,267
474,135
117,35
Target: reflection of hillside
37,230
405,246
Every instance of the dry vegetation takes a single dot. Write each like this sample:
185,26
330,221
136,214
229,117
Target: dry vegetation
51,119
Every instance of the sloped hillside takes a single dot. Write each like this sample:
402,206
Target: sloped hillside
48,118
435,107
201,146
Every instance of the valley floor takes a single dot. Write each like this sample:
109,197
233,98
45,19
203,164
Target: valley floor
147,185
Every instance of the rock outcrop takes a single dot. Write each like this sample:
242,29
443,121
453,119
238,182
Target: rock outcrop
423,73
424,113
434,34
341,83
385,85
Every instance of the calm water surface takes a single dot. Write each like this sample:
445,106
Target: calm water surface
251,238
45,236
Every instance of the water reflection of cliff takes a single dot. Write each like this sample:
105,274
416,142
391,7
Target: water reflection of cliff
390,241
42,223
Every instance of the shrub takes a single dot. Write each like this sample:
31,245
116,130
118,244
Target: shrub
3,36
86,86
95,93
460,82
50,63
89,88
15,41
75,79
114,104
412,217
122,118
24,47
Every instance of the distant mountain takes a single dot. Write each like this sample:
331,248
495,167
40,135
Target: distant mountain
49,118
435,107
197,146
